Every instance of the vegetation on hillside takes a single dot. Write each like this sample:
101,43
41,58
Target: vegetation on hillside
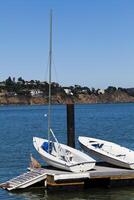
21,88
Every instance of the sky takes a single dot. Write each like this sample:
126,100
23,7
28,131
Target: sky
93,41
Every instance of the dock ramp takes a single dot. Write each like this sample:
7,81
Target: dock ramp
25,180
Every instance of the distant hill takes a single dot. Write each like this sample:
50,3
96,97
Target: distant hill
36,92
115,97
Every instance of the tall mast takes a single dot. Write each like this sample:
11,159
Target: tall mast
50,66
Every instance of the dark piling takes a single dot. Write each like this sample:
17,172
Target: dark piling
70,126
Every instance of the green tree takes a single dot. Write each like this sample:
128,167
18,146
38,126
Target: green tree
20,79
9,84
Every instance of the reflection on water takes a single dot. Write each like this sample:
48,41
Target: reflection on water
126,193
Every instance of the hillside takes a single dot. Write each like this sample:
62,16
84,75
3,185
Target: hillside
115,97
36,92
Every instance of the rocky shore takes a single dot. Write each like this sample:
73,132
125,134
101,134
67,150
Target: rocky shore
114,97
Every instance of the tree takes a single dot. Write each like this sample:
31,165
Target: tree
9,81
111,89
93,90
20,79
9,84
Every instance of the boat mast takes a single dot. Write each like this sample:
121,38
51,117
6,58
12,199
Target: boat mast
50,66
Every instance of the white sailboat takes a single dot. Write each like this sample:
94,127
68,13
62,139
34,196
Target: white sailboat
57,154
108,151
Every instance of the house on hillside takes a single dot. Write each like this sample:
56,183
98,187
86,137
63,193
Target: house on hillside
101,91
36,93
68,91
3,93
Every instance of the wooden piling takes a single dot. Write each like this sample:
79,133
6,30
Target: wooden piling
70,126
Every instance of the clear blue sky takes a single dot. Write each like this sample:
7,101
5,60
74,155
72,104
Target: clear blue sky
93,41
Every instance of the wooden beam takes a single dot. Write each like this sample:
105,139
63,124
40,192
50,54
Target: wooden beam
70,126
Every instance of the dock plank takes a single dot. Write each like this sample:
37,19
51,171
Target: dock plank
56,177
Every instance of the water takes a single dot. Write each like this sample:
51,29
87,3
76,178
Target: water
18,124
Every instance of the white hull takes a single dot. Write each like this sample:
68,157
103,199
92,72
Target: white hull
77,162
108,152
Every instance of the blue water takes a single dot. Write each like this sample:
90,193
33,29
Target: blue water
18,124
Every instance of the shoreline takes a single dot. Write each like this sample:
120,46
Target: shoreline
116,97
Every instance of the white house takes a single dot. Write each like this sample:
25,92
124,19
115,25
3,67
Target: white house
35,92
68,91
101,91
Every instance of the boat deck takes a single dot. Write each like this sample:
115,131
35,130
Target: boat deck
53,177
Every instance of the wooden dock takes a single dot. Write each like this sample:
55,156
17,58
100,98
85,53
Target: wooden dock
50,177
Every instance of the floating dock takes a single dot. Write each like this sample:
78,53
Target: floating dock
50,177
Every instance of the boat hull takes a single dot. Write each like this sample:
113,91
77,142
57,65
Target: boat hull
82,167
106,157
83,164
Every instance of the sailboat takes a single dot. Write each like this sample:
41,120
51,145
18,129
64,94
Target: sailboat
109,152
54,153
